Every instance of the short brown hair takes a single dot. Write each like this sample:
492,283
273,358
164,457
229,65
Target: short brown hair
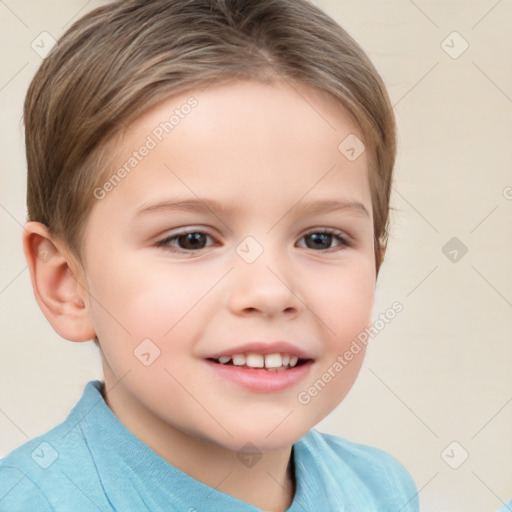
124,57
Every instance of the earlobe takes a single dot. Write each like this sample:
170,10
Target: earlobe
58,292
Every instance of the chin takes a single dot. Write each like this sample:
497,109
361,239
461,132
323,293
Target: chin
266,437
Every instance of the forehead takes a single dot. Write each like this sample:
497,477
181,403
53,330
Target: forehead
279,142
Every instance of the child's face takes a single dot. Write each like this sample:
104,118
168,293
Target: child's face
254,273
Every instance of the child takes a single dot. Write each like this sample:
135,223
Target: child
208,191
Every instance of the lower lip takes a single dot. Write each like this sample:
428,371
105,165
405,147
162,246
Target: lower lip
259,380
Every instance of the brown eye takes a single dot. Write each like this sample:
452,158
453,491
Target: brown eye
185,242
192,241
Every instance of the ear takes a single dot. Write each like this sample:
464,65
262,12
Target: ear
56,281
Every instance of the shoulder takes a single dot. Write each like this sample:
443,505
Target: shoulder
377,470
35,475
507,507
359,456
19,486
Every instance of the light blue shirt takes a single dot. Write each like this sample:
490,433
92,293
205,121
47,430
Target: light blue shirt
91,462
507,507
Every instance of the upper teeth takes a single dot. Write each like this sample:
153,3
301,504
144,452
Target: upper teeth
259,361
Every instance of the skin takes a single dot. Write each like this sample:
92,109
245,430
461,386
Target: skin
259,148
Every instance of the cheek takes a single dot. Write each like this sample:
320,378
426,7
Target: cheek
141,301
345,301
347,312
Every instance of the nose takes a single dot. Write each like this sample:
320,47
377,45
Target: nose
265,287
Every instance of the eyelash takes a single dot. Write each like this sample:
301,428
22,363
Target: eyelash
164,243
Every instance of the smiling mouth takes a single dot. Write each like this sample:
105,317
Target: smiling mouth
272,362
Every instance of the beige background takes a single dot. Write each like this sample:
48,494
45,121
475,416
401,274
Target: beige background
441,370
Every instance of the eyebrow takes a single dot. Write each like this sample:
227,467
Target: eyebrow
329,205
205,205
